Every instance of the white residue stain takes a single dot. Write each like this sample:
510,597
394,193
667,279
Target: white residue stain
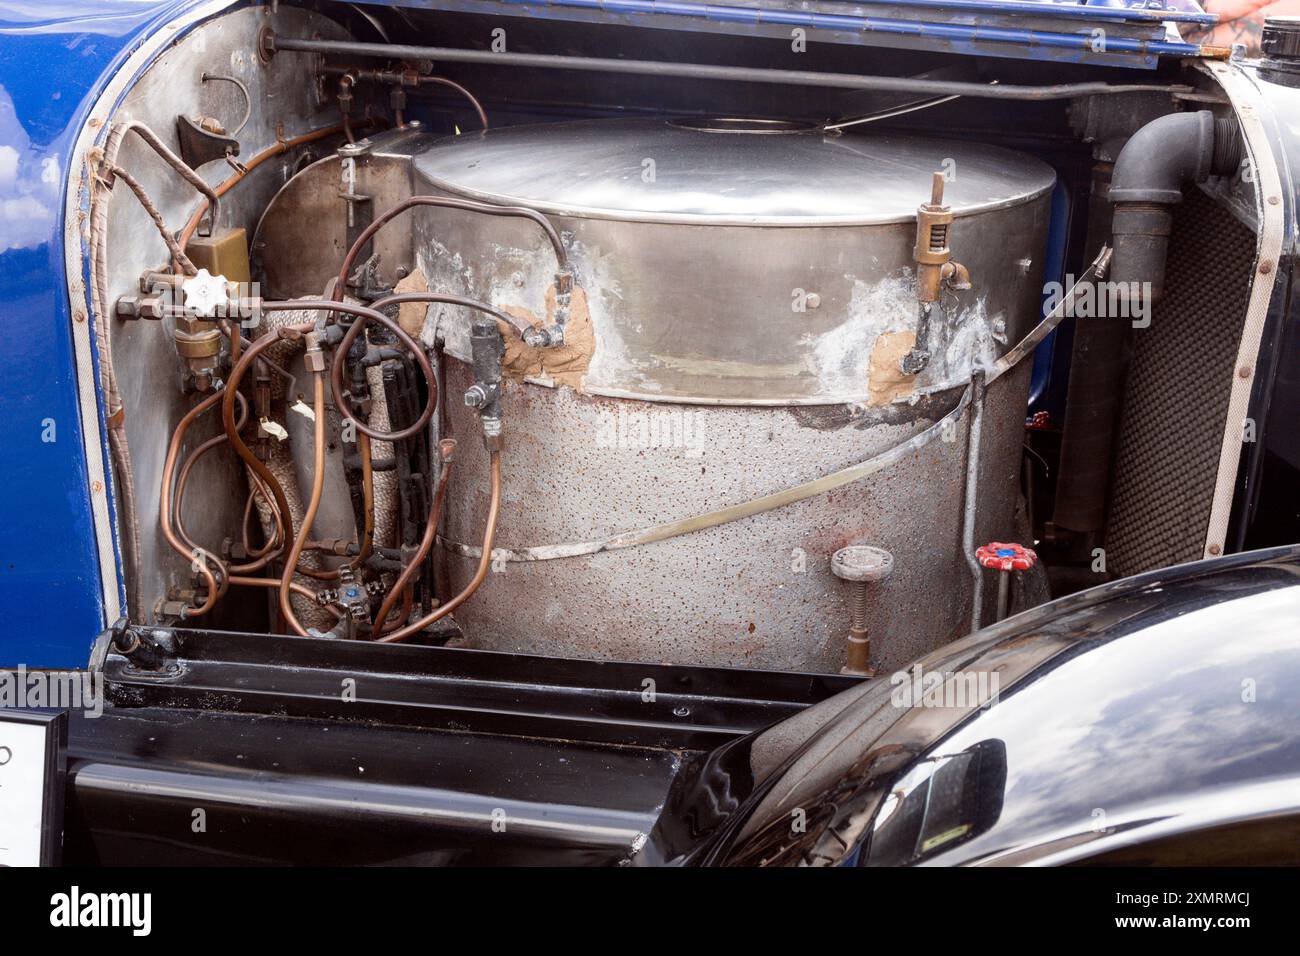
841,356
970,345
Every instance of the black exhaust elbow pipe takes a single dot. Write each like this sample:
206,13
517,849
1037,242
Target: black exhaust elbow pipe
1150,173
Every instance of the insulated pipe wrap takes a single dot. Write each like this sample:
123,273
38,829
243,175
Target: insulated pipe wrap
282,462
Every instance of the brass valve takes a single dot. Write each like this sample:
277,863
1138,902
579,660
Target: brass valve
935,269
931,252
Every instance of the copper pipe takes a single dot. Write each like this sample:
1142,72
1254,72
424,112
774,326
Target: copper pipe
277,536
195,555
236,337
446,449
443,81
248,513
282,146
340,359
245,362
262,557
295,587
468,205
182,481
317,492
403,613
484,565
398,298
237,442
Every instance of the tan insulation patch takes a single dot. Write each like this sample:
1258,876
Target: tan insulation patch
886,381
565,365
410,315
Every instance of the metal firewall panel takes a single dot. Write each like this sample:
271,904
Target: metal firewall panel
143,352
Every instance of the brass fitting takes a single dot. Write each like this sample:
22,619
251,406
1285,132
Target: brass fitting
338,546
314,359
955,275
931,252
935,269
196,339
141,307
198,344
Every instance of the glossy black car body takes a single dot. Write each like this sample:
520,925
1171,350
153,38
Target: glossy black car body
1150,721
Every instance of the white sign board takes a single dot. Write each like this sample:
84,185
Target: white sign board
28,781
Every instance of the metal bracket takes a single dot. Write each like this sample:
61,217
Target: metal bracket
203,141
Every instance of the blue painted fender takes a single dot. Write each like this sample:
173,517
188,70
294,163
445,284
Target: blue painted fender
55,59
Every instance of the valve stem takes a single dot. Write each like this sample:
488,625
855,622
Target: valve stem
861,565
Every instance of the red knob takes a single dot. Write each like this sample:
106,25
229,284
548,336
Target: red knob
1006,557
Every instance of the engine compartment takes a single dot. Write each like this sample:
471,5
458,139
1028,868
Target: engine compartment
658,367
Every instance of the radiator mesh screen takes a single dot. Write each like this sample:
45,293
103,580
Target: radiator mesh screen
1176,394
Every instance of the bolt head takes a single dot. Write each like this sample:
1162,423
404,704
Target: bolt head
861,562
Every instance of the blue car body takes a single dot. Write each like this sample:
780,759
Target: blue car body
54,60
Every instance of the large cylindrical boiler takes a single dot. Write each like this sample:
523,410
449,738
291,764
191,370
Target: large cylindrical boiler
746,299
